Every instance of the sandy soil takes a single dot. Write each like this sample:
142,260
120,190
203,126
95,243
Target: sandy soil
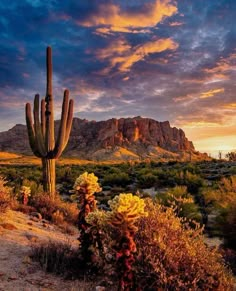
17,271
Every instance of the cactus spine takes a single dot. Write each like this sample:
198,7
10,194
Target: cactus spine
41,132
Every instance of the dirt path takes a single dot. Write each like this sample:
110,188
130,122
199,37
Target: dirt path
17,271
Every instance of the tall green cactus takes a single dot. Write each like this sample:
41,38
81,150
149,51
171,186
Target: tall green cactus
41,132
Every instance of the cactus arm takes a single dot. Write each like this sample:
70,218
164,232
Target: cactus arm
30,129
43,126
62,130
49,134
37,128
49,71
69,122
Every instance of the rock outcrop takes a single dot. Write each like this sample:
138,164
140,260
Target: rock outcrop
137,135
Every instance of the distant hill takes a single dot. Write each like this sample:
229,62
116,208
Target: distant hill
114,139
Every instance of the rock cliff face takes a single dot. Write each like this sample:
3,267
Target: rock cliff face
87,137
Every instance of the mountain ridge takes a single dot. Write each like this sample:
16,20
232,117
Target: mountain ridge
134,138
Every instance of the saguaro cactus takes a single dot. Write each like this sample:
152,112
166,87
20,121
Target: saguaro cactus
41,132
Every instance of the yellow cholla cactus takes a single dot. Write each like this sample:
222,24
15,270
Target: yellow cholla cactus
87,183
25,190
126,209
96,218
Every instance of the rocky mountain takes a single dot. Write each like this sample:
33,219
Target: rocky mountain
124,138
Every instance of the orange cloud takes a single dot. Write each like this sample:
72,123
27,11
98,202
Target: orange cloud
124,56
117,47
230,106
211,93
117,20
199,124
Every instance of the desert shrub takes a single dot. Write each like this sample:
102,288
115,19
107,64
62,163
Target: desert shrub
5,196
172,256
193,181
182,201
229,256
58,258
228,226
23,208
222,195
169,254
147,180
43,203
117,179
219,200
231,156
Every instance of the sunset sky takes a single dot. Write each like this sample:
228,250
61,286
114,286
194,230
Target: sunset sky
167,60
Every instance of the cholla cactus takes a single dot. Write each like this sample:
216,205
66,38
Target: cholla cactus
85,186
126,209
88,184
25,192
97,218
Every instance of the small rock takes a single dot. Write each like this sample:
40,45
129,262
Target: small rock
45,225
44,221
26,260
31,238
100,288
36,215
30,223
35,219
12,278
31,270
8,226
47,284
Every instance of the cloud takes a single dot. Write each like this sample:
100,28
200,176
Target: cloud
108,31
211,93
223,68
115,19
176,23
230,106
121,54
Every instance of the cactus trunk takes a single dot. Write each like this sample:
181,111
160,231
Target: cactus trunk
41,132
49,176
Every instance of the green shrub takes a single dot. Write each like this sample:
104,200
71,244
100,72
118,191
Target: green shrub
117,179
182,201
228,227
147,180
